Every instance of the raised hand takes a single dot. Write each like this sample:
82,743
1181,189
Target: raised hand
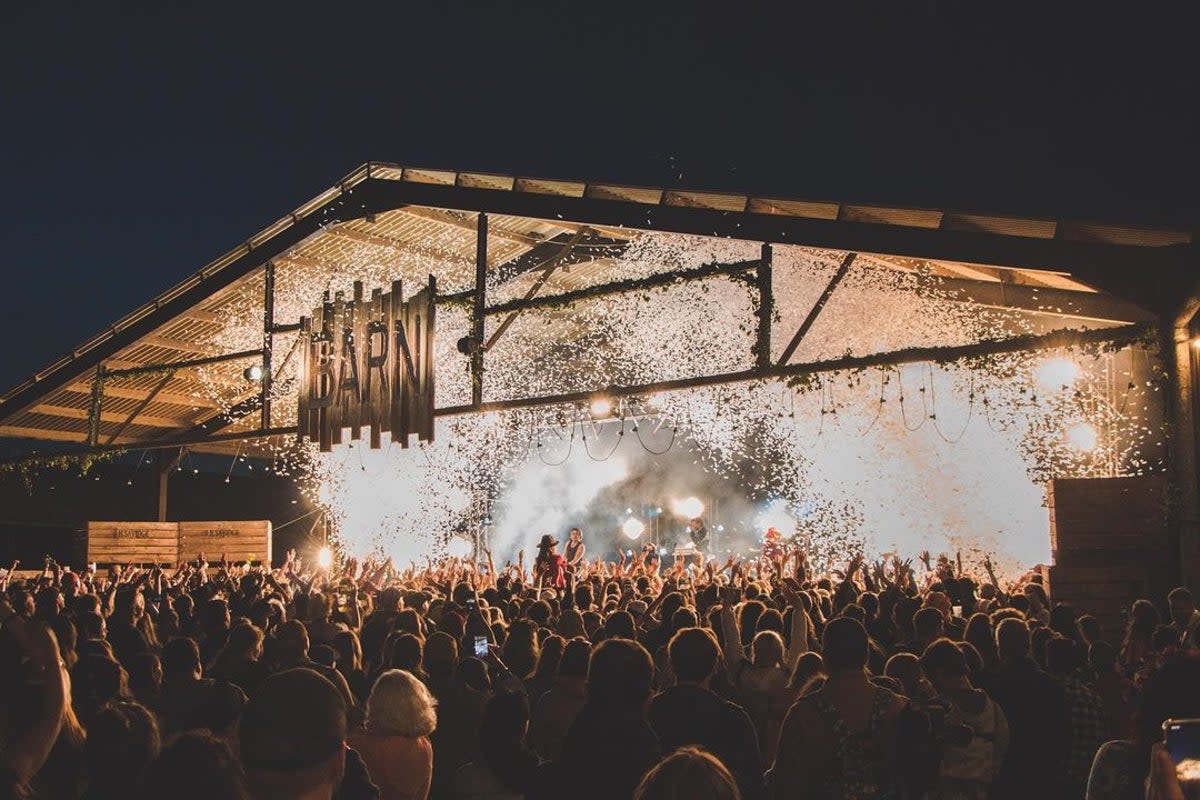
926,559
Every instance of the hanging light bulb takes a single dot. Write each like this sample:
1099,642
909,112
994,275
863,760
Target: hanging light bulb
601,407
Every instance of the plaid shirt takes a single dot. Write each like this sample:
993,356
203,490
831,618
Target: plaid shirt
1088,730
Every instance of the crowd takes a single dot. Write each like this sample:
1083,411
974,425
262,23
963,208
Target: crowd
633,678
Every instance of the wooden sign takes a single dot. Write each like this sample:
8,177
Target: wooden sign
133,542
368,363
240,541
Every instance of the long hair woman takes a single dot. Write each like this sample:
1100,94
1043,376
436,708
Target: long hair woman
401,714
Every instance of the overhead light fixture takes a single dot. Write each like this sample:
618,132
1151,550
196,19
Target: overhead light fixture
253,373
633,528
1054,374
458,547
1082,437
689,507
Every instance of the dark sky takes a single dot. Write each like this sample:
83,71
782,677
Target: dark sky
139,144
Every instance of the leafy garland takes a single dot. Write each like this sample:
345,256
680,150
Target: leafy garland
29,466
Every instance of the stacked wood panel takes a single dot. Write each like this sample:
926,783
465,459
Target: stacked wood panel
172,542
1110,544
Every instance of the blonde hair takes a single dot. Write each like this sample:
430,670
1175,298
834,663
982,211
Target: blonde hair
400,705
688,774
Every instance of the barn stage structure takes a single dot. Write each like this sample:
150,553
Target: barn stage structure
169,377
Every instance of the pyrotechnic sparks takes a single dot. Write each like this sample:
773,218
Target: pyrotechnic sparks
923,456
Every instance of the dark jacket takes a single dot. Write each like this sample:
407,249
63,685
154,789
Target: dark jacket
1035,706
607,751
692,715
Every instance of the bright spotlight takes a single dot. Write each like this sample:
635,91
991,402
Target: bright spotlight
689,507
325,557
253,373
1054,374
1082,437
633,528
601,407
458,547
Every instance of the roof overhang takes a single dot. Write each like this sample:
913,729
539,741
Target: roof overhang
1087,272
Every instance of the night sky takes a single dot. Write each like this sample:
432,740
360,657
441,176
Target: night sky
139,145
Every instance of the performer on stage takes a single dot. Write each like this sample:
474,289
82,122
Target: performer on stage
576,550
549,568
698,532
773,547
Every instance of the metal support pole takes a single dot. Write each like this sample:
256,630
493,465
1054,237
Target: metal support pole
268,340
766,310
165,461
93,433
478,308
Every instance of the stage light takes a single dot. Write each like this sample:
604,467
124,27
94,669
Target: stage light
633,528
458,547
601,407
629,511
253,373
1196,343
662,551
1054,374
1082,437
325,557
720,528
689,507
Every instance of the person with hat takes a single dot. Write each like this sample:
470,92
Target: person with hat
549,568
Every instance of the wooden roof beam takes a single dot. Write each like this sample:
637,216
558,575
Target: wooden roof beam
125,393
450,218
181,345
22,432
1091,306
107,416
386,241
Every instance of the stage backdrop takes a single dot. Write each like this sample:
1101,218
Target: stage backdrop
172,542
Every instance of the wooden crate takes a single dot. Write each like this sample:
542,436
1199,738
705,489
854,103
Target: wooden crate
242,540
133,542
